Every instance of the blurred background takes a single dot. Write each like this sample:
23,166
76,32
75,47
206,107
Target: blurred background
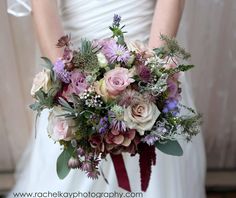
208,31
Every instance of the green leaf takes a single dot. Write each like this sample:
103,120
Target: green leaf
170,147
35,106
185,67
48,64
62,162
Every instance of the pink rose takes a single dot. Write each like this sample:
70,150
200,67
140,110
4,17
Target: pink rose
117,80
59,127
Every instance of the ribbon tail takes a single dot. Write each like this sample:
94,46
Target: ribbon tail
121,173
147,158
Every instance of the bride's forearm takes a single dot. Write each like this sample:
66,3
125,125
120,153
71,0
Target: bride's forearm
166,20
48,27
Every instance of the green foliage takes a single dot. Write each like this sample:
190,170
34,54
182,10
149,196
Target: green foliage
62,162
170,147
191,125
180,68
118,33
171,48
48,64
43,101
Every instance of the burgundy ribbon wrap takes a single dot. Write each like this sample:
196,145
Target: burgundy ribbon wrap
121,173
146,160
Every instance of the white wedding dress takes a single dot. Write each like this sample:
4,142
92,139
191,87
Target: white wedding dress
172,177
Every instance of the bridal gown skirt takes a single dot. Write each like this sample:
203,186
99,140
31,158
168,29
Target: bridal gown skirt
172,177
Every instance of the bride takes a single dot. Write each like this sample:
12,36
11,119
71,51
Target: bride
172,177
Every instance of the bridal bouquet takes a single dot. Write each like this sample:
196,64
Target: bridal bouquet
112,96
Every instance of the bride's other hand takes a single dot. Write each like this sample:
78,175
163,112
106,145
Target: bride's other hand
166,20
48,27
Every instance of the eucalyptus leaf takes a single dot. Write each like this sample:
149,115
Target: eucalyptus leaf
64,103
62,162
48,64
170,147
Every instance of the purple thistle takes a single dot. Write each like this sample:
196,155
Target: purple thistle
116,53
116,20
61,73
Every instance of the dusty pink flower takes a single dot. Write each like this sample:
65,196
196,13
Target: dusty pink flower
86,166
67,55
93,174
118,142
144,73
67,92
78,84
74,163
120,138
97,143
117,80
173,88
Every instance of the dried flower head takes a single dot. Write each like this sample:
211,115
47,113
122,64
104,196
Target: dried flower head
73,163
128,97
64,41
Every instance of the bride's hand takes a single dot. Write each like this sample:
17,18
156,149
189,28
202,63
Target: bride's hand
48,27
166,20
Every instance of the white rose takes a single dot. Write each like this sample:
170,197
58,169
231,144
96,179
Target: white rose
141,116
102,61
41,80
59,127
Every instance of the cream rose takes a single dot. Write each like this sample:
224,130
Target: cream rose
141,116
100,88
41,80
59,127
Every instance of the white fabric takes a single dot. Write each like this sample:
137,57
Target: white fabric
172,177
18,8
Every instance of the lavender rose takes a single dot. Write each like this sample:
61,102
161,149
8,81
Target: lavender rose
116,80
